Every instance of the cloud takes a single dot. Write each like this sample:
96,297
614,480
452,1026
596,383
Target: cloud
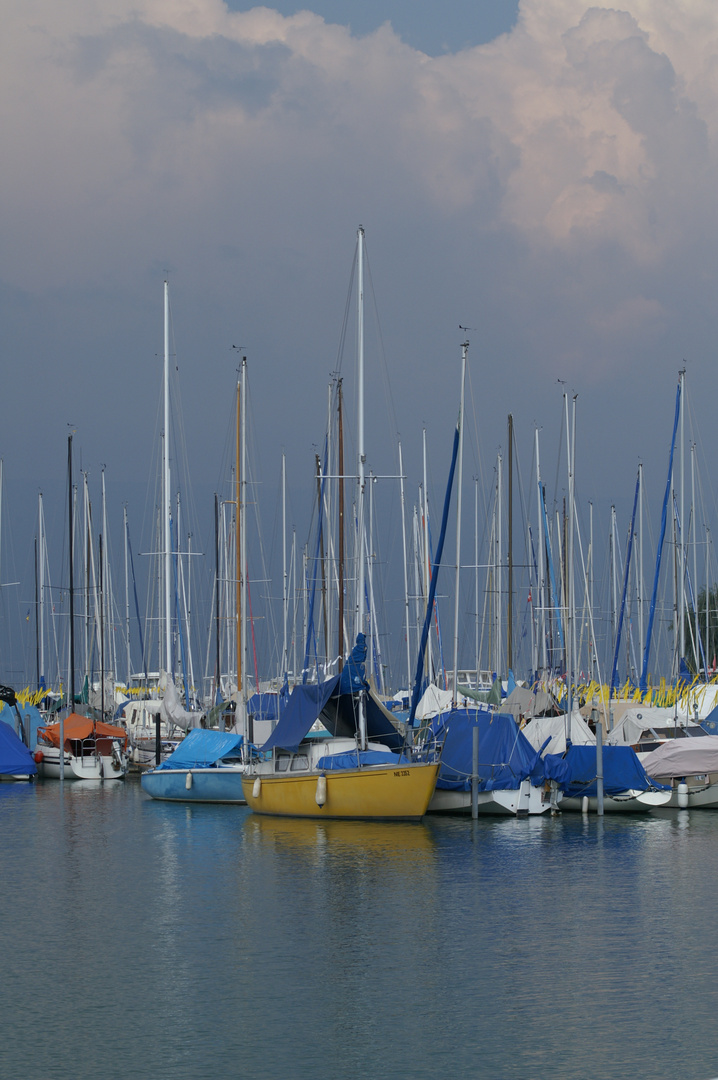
560,179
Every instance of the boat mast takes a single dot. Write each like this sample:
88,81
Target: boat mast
464,349
361,462
166,504
127,597
682,555
509,628
71,527
406,573
284,566
242,541
340,449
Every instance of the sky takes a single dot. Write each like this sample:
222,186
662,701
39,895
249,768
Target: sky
542,174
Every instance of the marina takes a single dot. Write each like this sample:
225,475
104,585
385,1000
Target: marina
199,941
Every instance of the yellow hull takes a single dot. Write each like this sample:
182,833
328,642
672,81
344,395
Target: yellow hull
399,792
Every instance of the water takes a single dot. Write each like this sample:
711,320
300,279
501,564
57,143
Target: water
142,939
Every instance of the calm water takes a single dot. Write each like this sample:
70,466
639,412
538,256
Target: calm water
142,939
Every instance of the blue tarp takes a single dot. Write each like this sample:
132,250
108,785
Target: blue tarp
341,718
304,706
15,758
31,720
202,748
506,757
353,760
263,706
352,676
575,771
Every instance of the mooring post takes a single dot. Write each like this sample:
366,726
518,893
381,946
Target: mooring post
599,769
475,772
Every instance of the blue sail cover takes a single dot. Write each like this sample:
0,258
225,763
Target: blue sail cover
263,706
15,758
304,706
202,748
506,757
353,676
354,759
575,771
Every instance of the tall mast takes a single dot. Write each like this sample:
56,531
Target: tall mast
499,582
362,460
464,349
243,540
640,558
406,573
71,530
509,629
284,565
167,507
682,554
340,626
41,586
542,560
238,591
127,597
217,667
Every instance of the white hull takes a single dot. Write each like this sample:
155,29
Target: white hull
519,802
632,802
88,767
699,797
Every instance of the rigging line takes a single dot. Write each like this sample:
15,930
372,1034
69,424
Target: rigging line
347,309
382,353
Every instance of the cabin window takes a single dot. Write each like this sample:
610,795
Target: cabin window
300,762
282,763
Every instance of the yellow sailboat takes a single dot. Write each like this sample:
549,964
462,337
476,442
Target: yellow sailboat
360,768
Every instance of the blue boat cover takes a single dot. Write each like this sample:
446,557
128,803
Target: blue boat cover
304,706
354,759
202,748
341,718
506,757
15,758
353,674
575,771
267,706
25,727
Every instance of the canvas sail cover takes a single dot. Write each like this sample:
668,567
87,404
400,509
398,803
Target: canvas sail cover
553,729
575,771
79,728
683,757
15,758
303,708
505,756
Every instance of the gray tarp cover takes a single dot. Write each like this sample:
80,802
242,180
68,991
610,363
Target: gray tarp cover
683,757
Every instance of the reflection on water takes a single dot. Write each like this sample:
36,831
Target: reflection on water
202,942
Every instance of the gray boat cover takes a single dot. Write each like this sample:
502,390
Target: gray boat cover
683,757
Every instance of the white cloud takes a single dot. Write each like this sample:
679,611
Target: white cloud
146,130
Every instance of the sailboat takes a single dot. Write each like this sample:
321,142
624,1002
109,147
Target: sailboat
197,771
79,747
360,769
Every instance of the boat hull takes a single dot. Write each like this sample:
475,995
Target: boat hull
213,785
87,767
636,803
518,802
390,793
